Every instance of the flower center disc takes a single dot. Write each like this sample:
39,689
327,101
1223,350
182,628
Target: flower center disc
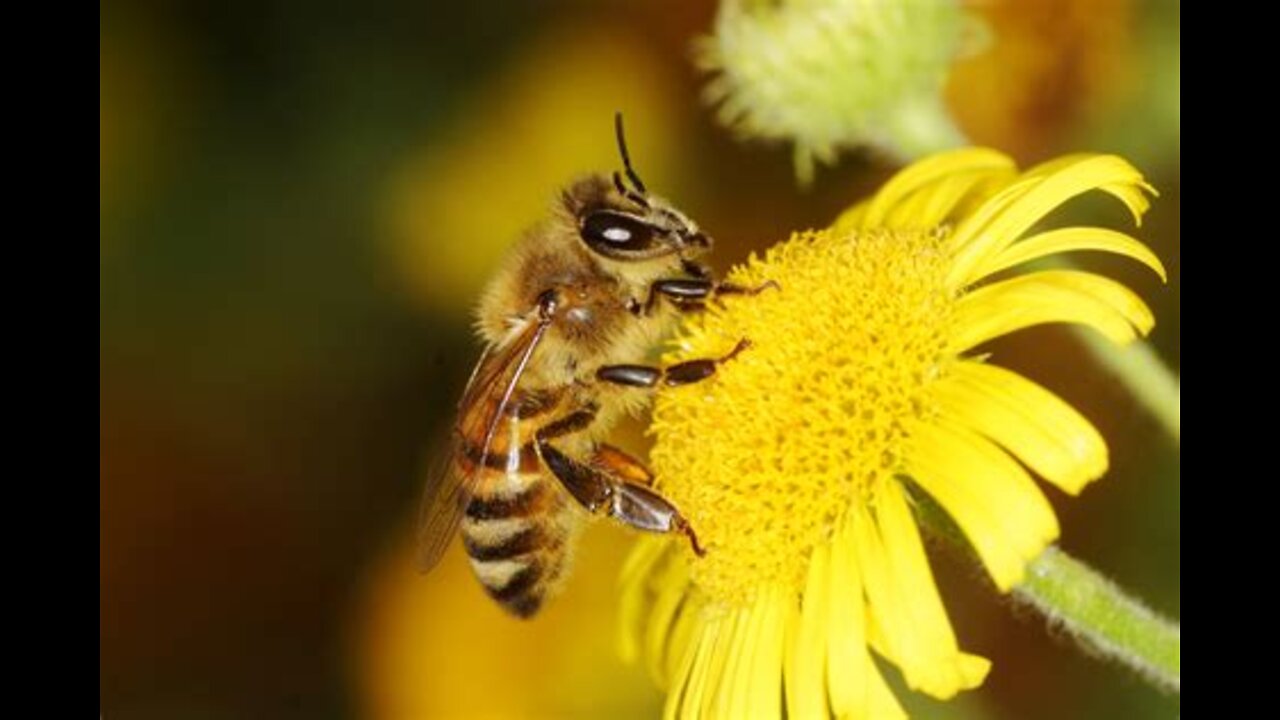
764,457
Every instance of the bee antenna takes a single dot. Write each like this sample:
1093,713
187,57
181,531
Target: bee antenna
627,192
626,157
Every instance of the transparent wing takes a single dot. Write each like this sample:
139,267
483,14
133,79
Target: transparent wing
442,505
484,403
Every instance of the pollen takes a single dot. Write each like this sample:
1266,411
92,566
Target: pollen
764,457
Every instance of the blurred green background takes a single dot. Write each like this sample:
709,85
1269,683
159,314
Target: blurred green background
299,203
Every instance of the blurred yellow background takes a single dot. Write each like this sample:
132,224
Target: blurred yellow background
299,204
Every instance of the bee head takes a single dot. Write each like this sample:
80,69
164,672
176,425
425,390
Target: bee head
631,224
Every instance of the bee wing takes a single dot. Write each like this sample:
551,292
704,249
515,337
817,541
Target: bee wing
483,406
442,505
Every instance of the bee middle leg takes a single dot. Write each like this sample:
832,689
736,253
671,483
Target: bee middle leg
612,482
648,376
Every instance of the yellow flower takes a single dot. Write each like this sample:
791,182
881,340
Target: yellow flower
798,462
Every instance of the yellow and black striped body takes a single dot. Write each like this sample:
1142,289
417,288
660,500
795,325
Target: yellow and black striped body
520,526
519,539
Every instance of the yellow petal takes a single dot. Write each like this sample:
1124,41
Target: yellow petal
968,165
647,551
939,203
857,689
882,704
717,662
1070,239
1132,194
993,500
1002,220
673,588
904,600
690,691
1053,165
765,698
969,242
848,665
734,681
855,218
1038,427
1050,296
805,662
633,582
688,623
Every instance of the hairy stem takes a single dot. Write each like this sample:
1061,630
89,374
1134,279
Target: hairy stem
1099,615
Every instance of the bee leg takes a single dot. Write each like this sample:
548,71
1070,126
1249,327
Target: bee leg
732,289
588,485
644,509
684,293
571,423
580,480
635,501
620,464
690,371
606,486
692,293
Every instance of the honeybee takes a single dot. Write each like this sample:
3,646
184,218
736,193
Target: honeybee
578,300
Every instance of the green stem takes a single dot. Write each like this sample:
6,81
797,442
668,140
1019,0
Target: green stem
1140,369
1100,616
1097,613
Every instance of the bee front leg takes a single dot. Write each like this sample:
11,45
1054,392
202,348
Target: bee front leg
683,373
688,294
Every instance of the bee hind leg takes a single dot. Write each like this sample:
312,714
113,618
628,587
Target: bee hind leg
644,509
615,483
636,503
622,465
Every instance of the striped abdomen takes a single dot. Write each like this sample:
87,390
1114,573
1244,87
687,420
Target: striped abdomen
518,534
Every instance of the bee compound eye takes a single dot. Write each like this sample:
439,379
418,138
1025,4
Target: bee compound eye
610,232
